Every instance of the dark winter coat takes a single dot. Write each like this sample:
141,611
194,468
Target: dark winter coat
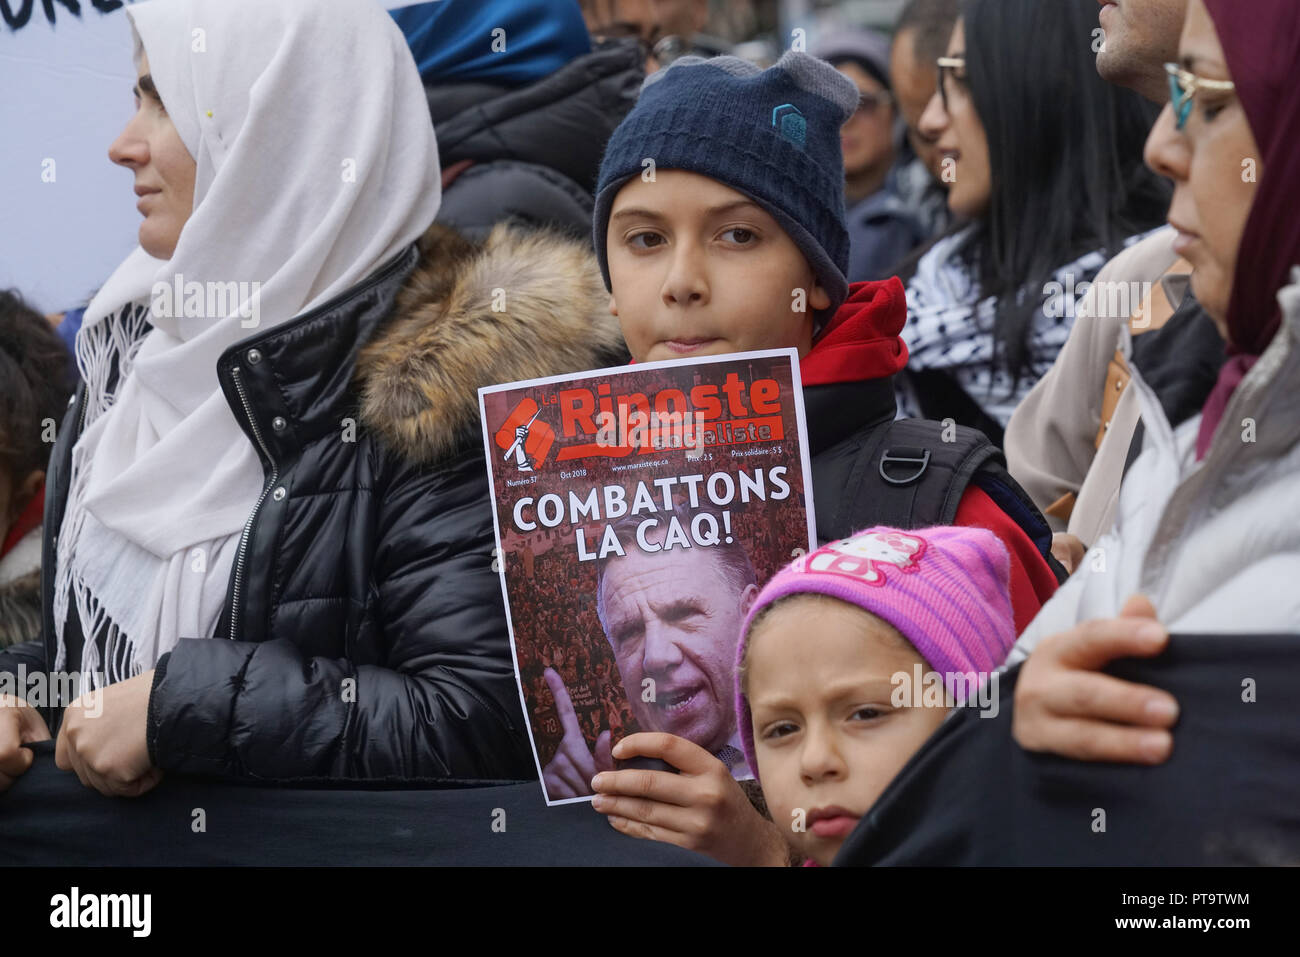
882,233
364,634
535,151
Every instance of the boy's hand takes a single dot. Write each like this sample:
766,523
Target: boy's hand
102,739
1064,706
701,809
573,766
20,724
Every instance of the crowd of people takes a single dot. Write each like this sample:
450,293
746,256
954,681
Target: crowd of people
1038,261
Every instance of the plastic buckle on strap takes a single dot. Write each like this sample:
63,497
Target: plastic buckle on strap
920,458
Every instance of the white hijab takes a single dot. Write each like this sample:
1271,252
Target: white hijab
316,164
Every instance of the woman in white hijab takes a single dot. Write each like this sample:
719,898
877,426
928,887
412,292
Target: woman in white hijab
273,548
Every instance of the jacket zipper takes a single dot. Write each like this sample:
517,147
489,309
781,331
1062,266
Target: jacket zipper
375,280
248,525
81,420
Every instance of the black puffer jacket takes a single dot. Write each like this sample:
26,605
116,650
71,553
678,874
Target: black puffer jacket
364,634
536,151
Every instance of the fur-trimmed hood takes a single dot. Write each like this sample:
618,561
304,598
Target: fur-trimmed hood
522,304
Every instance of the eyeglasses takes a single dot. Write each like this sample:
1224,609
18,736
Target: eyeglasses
1183,87
869,103
949,65
664,49
670,48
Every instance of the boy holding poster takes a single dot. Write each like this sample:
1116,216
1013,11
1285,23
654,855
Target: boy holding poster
719,227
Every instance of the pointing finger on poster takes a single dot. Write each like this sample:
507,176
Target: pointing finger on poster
573,746
563,705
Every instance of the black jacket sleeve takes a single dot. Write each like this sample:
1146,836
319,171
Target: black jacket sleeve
443,705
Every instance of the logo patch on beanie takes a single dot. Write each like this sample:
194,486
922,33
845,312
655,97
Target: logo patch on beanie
865,557
791,123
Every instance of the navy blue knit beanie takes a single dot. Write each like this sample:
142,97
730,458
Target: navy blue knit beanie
772,135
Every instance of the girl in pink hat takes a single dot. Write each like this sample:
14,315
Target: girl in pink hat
852,656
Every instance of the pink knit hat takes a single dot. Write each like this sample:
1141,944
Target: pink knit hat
947,591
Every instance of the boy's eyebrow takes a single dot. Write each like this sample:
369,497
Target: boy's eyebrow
637,212
725,208
640,212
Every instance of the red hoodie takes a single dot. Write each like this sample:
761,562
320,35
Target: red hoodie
862,342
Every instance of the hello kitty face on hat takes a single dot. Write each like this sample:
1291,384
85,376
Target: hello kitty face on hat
866,557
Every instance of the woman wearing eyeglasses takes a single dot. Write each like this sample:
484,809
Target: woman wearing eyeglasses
1044,165
1207,538
882,230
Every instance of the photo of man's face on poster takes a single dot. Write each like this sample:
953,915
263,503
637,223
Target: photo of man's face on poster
673,618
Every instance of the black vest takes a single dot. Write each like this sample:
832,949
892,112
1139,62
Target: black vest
870,469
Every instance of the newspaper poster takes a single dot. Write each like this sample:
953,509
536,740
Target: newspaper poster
638,512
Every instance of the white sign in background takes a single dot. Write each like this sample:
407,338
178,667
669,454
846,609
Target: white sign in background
67,214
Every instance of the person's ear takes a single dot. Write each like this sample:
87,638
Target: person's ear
613,305
748,595
820,298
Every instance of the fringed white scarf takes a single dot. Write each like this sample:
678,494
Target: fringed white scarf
316,164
